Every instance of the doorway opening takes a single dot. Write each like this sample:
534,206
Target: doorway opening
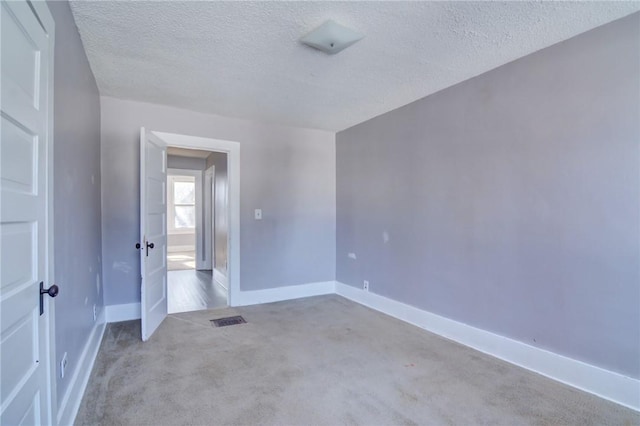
209,238
181,220
197,229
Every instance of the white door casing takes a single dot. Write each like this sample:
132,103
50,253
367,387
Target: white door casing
153,231
232,149
208,231
26,248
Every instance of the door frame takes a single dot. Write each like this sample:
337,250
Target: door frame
208,228
43,13
232,149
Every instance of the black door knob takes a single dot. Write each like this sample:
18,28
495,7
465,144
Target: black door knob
149,246
51,291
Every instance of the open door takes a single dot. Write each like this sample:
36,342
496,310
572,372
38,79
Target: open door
25,215
153,231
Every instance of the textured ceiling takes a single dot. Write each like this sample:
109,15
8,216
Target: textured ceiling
244,59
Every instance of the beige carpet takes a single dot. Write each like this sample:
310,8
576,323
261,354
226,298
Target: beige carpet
181,260
320,361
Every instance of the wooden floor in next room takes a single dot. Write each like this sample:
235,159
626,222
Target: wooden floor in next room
192,290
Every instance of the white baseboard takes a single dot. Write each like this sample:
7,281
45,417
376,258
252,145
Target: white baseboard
125,312
278,294
78,384
606,384
603,383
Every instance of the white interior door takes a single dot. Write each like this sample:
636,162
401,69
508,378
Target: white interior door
26,48
153,231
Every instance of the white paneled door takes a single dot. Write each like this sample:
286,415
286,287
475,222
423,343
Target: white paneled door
153,231
25,220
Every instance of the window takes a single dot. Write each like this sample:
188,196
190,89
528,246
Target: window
182,204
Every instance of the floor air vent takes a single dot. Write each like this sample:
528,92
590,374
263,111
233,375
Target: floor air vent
223,322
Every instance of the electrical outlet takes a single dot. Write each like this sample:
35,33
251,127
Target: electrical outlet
95,313
365,285
63,365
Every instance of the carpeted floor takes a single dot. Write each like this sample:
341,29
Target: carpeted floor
321,361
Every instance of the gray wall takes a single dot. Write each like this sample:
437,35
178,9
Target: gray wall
288,172
221,206
77,236
510,201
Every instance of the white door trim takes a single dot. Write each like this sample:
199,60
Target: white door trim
578,374
208,225
232,149
44,14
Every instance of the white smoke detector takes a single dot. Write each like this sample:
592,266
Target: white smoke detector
331,37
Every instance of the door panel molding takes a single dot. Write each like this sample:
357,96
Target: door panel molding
153,212
26,212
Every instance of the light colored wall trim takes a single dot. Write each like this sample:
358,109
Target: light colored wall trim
207,220
73,397
277,294
46,19
232,149
606,384
125,312
603,383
